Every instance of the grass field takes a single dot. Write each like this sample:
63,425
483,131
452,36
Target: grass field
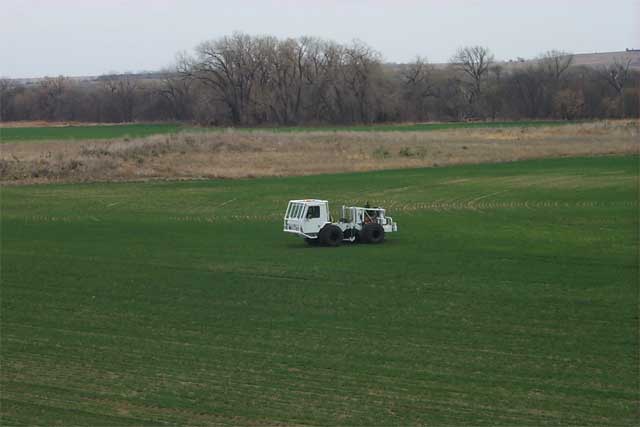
509,296
55,133
17,134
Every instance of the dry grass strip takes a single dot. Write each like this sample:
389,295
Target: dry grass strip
241,154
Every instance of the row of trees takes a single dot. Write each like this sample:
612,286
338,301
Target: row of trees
244,80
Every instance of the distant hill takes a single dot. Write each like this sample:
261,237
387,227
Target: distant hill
604,58
594,60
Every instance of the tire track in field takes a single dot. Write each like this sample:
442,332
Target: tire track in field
474,205
224,218
478,204
517,184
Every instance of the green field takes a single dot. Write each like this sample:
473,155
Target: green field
509,296
424,127
142,130
85,132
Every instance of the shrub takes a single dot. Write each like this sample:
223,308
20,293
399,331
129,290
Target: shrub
381,153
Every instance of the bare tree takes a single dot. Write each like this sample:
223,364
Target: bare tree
555,63
494,92
616,75
325,95
281,78
452,101
418,85
228,66
473,62
293,76
316,70
331,89
262,79
176,90
50,93
527,91
362,66
122,91
8,90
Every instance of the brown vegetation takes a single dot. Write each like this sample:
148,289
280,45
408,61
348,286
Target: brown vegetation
239,154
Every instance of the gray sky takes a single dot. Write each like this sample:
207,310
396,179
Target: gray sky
90,37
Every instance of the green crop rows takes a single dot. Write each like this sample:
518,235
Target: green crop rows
509,296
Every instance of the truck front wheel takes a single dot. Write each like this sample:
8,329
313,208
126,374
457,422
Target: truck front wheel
331,235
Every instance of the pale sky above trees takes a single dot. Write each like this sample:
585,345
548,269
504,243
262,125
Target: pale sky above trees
79,37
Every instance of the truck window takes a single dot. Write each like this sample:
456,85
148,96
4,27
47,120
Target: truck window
293,210
313,212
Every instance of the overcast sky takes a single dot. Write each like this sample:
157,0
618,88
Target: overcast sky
91,37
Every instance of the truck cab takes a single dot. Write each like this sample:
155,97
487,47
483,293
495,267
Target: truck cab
306,217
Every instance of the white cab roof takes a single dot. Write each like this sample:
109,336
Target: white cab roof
308,201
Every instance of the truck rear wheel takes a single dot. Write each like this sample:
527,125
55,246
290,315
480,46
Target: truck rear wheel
372,233
331,235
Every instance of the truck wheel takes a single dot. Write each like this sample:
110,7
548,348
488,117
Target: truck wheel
372,233
362,236
330,235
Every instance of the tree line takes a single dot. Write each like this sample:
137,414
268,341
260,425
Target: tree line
243,80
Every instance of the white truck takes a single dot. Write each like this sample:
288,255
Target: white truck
311,219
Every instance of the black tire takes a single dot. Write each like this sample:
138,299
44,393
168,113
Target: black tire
362,236
372,233
330,235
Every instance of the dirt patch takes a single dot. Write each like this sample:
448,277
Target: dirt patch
241,154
